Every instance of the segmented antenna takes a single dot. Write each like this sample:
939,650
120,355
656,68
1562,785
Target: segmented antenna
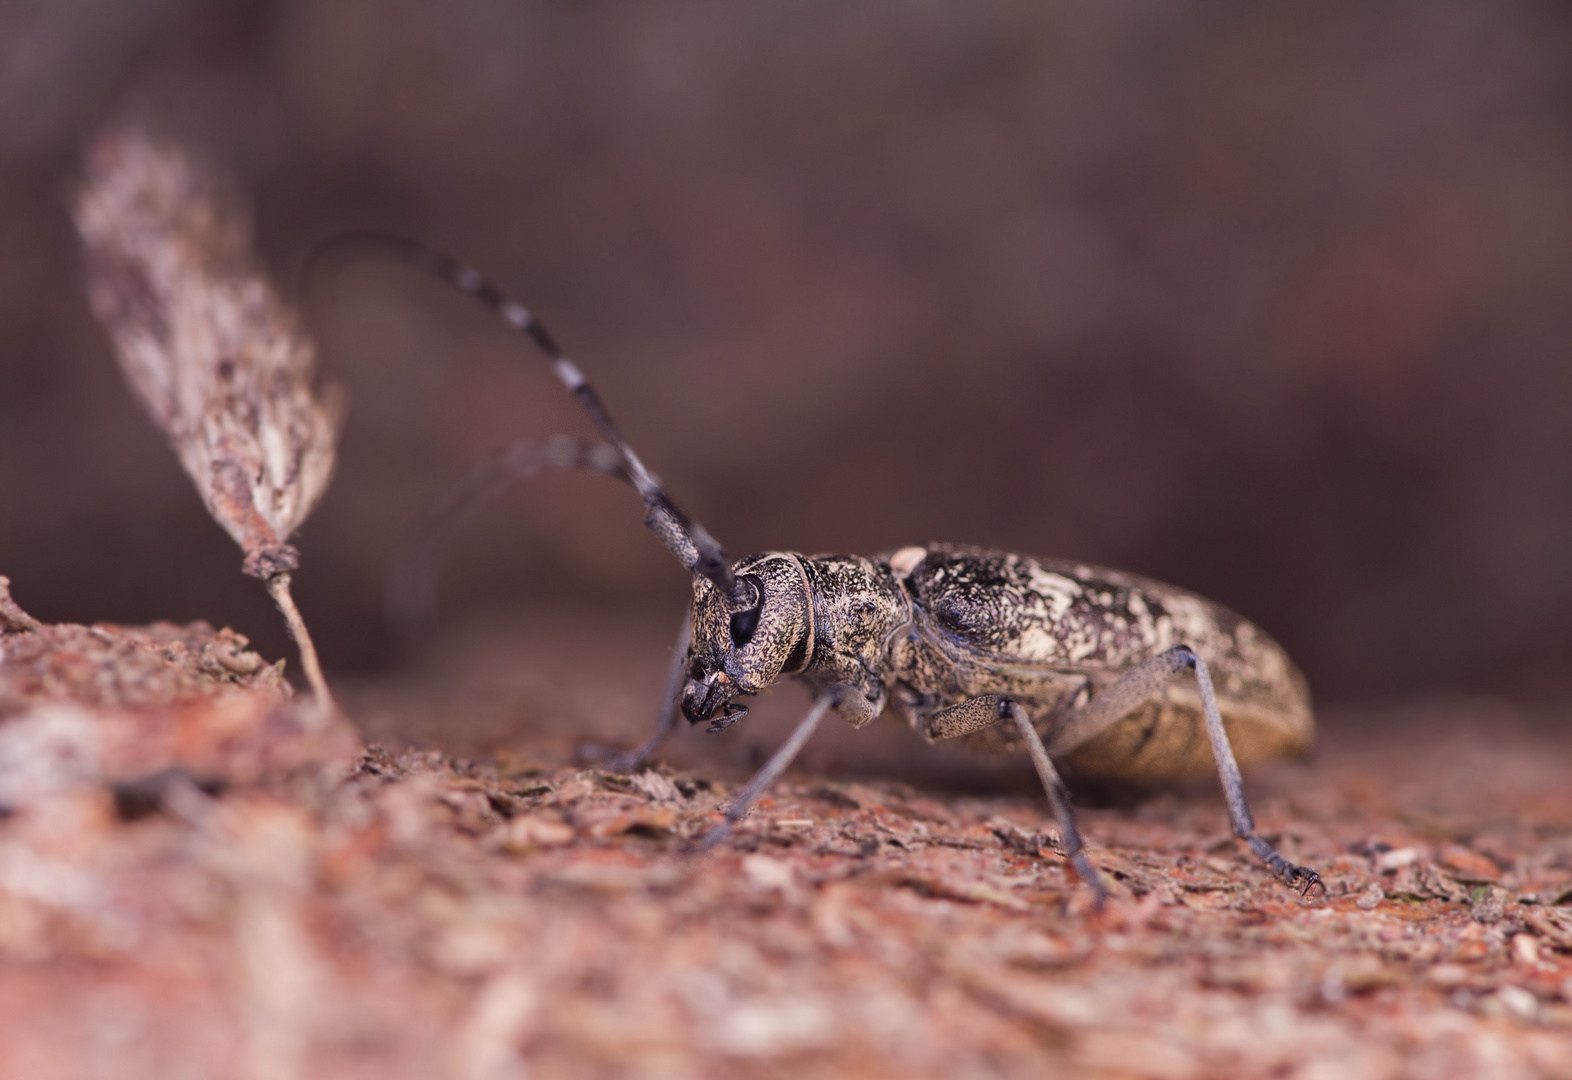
411,599
694,547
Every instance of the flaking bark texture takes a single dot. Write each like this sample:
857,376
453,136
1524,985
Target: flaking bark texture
130,710
192,883
147,667
216,358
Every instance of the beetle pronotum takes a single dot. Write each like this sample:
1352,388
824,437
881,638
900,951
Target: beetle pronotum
1068,661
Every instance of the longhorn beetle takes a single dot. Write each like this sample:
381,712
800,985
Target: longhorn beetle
1065,660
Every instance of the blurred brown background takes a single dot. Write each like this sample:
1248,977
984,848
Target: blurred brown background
1268,301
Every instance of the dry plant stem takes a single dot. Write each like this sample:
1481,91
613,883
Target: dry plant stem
278,589
217,358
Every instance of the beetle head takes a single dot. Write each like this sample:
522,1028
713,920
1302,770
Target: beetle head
745,642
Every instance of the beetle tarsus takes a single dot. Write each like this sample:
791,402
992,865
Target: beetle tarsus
1299,878
1302,879
1089,875
628,761
713,838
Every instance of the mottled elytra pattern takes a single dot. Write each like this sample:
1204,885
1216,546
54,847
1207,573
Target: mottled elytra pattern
1051,633
1009,653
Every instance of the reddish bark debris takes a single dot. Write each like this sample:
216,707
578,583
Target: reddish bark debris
113,705
410,915
120,666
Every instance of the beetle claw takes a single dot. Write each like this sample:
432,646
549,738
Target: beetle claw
1302,879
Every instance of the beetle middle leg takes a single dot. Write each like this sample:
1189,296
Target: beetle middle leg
1139,685
986,710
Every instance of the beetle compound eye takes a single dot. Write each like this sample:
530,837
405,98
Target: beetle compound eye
746,621
743,624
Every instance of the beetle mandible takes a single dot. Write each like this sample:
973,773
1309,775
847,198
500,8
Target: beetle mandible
1070,662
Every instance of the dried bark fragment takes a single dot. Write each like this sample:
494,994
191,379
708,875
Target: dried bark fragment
118,667
219,362
141,710
13,620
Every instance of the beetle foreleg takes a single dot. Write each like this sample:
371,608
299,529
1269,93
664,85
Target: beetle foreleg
771,771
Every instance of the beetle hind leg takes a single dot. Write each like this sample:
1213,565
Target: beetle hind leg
1138,686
